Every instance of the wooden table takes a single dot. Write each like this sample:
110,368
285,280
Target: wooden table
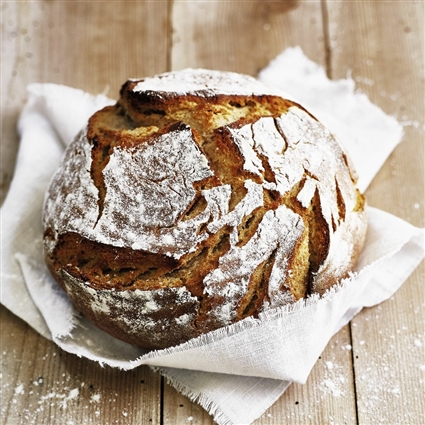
373,370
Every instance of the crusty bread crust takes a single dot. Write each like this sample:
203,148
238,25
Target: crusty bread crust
197,200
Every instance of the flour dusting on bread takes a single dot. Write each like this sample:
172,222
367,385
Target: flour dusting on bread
197,200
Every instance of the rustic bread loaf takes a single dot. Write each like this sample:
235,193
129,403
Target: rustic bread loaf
197,200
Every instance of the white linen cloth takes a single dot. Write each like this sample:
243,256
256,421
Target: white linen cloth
237,372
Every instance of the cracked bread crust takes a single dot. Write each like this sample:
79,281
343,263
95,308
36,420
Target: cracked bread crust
197,200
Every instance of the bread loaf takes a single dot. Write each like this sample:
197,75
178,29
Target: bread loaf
198,199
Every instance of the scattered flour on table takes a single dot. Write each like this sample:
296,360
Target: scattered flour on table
387,393
333,388
19,389
334,380
63,400
58,399
95,398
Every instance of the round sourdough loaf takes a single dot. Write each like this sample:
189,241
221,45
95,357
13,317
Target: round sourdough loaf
197,200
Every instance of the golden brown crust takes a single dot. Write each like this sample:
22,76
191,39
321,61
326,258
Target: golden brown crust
179,211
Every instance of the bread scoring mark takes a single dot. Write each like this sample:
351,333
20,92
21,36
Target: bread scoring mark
340,202
106,266
195,267
311,160
243,139
100,157
249,224
279,229
319,235
257,292
108,128
195,208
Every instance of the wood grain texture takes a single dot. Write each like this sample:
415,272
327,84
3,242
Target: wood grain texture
243,36
88,45
372,371
384,49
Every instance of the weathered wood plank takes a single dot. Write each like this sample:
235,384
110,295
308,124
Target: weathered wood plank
384,48
388,343
94,46
244,37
